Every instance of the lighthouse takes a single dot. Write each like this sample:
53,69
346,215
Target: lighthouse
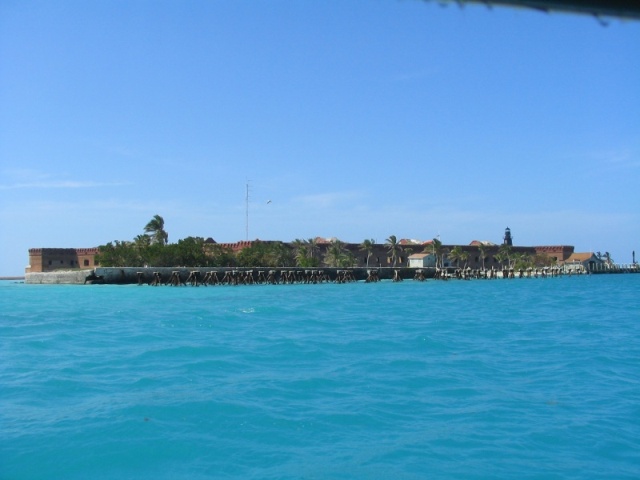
507,237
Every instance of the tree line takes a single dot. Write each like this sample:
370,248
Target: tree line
152,248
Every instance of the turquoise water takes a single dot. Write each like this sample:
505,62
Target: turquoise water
524,378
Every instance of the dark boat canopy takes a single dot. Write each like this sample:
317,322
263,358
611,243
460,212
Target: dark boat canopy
599,8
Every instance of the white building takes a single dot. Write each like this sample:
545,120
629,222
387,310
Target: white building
422,260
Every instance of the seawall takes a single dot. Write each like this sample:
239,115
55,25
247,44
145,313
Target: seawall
129,275
180,275
135,275
72,277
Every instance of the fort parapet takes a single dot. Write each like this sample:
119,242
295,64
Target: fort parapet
53,259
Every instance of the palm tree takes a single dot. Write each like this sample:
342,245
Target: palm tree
142,241
300,249
298,243
305,252
523,261
280,255
156,228
367,246
465,258
314,248
482,248
455,255
437,250
505,252
335,255
504,255
141,245
348,260
393,247
303,256
303,259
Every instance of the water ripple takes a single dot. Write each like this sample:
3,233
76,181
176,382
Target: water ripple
496,379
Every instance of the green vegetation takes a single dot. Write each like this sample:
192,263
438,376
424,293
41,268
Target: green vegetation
263,254
188,252
153,250
525,261
156,228
458,255
393,247
306,253
505,255
338,256
483,253
367,247
437,250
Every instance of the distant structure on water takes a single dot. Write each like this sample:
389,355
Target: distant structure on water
409,252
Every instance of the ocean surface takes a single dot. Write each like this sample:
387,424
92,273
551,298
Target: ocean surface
523,378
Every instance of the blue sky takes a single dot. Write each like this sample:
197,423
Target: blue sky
356,119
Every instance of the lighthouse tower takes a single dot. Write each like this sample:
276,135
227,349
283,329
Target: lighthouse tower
507,237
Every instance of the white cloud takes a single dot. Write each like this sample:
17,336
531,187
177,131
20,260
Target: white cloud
24,178
64,184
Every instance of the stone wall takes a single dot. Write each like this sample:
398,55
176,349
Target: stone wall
129,275
74,277
134,275
59,259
